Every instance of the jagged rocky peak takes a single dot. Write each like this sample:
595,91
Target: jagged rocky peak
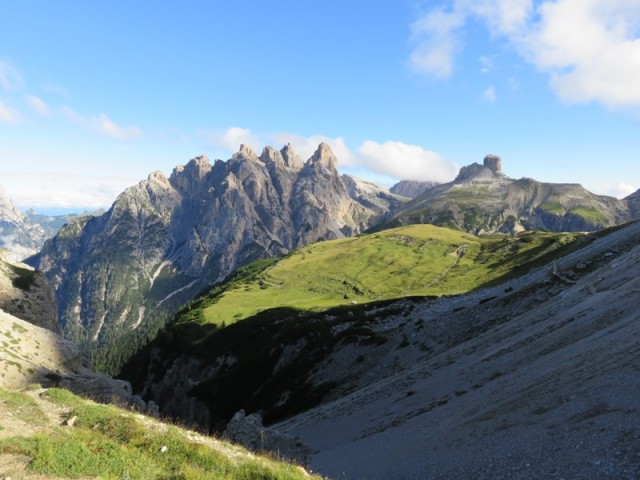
291,158
186,177
493,162
270,155
158,177
324,156
491,168
247,151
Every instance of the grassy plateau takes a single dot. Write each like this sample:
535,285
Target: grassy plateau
415,260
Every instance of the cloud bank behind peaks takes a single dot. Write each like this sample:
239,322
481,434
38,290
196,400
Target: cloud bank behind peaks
372,160
590,49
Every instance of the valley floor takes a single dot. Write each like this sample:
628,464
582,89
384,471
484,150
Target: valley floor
549,389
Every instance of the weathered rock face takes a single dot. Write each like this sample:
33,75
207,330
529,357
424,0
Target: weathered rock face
247,430
411,188
38,355
493,162
26,294
165,239
482,199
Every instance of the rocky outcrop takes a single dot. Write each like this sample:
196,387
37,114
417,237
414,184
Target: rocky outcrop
165,239
30,354
26,294
491,167
411,188
482,199
248,431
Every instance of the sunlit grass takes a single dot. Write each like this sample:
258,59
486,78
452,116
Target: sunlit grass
416,260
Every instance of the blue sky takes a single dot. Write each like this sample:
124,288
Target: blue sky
96,95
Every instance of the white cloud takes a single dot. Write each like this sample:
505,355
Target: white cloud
406,162
486,64
8,114
38,105
306,146
589,48
373,161
10,77
103,124
436,39
231,138
65,190
619,190
489,95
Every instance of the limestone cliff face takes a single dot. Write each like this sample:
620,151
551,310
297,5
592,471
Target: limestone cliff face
411,188
483,199
165,239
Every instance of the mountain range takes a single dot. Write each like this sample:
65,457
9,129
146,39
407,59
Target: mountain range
482,199
375,342
165,239
119,277
23,234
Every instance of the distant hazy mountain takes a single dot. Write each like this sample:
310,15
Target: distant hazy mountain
24,233
166,238
411,188
483,199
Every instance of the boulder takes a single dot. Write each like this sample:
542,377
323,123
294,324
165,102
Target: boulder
248,431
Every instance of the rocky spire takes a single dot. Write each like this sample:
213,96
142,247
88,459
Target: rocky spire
247,150
291,158
190,175
270,155
324,156
493,162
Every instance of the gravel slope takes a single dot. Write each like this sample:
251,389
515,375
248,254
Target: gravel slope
547,387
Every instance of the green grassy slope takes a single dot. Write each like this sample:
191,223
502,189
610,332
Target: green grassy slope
416,260
111,443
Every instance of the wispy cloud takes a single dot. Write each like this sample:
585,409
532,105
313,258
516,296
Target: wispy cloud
489,95
38,105
102,124
619,190
589,48
10,77
437,42
9,115
231,138
306,146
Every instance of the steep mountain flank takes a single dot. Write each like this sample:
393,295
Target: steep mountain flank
166,238
509,378
483,199
534,379
255,341
26,294
411,188
634,203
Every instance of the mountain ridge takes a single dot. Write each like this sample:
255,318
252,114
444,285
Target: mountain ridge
482,199
164,239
